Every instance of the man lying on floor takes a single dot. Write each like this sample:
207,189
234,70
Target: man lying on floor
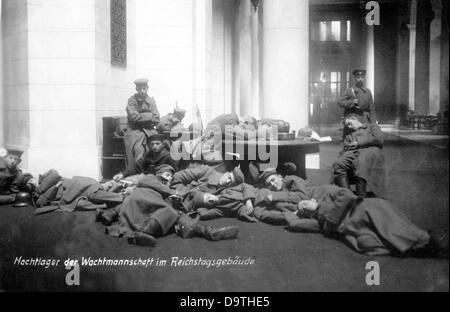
235,196
372,226
149,212
78,193
280,194
228,195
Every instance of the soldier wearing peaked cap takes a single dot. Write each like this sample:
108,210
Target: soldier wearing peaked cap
143,116
358,99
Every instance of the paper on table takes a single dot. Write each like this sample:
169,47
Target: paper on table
317,137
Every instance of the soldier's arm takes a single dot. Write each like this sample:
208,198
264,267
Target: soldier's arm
297,191
372,136
248,192
304,226
186,176
347,100
133,113
152,182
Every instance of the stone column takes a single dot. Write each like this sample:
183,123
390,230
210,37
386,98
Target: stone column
245,58
202,49
1,79
286,61
422,67
435,58
402,87
255,59
444,59
412,54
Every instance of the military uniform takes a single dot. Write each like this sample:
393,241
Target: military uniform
11,181
143,116
366,161
148,213
372,226
231,204
365,106
172,120
202,174
294,190
149,162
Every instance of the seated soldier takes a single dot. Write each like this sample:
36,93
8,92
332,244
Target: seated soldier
149,213
372,226
158,155
12,180
143,117
361,159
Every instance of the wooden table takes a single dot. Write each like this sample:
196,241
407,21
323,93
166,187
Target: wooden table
287,150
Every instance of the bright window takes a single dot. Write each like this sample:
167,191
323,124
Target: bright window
323,31
335,31
349,31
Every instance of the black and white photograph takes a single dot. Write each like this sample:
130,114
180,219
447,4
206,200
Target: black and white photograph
224,146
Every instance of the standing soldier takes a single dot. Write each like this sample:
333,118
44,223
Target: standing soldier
143,116
358,99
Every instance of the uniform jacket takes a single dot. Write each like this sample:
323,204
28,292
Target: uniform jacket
201,174
12,180
368,136
150,161
168,122
368,158
294,190
142,114
218,124
365,105
333,204
148,200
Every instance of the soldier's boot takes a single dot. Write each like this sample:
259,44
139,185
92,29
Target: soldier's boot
107,217
342,181
146,235
211,233
438,244
360,187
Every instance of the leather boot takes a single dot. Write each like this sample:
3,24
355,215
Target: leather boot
107,217
211,233
141,239
342,181
438,245
361,187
